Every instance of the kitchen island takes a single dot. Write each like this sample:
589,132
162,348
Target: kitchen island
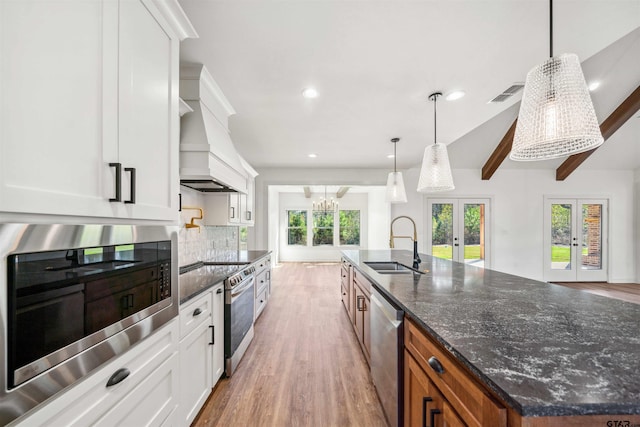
542,350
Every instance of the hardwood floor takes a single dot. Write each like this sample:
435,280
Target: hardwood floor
625,291
304,366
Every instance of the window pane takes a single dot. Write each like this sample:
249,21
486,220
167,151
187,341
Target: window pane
322,228
591,237
442,230
297,228
561,237
350,227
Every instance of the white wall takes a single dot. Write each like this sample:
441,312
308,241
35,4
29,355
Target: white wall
517,205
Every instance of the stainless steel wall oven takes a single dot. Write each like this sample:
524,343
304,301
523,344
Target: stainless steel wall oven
73,297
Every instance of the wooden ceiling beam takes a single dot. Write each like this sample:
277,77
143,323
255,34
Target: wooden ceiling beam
500,153
620,115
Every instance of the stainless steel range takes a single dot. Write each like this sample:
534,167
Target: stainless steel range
238,317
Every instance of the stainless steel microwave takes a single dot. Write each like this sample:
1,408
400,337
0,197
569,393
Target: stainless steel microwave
73,297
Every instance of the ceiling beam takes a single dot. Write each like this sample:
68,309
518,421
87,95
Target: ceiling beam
500,153
620,115
341,192
307,192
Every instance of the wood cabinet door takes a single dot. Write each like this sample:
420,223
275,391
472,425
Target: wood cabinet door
55,88
148,112
423,402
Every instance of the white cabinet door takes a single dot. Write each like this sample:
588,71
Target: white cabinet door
218,329
195,371
53,96
147,124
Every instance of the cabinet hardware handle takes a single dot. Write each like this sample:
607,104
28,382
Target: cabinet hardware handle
248,215
233,212
261,301
118,376
179,202
434,412
436,365
132,199
213,335
197,312
118,167
219,291
358,299
425,400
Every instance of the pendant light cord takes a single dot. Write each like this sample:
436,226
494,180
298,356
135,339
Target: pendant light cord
394,157
435,122
550,28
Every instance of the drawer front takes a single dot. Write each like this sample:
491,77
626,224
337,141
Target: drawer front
262,264
194,313
362,281
465,395
262,281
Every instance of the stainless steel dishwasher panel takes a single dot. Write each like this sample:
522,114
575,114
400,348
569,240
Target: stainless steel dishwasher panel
386,360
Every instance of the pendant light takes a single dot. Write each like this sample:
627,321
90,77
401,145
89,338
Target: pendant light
556,116
395,182
435,174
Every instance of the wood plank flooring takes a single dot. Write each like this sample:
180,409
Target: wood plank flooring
304,366
625,291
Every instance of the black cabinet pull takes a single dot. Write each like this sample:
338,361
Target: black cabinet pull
118,376
434,412
179,202
213,335
132,172
197,312
219,291
436,365
425,400
118,167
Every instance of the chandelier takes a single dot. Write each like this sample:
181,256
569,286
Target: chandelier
325,205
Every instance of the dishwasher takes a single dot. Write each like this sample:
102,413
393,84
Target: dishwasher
386,355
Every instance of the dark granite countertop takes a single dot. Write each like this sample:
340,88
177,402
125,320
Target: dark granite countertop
546,350
198,280
200,276
237,257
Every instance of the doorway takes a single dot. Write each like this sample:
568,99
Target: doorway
460,230
575,240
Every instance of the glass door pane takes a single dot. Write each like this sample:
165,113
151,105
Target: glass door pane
442,230
591,256
561,236
474,234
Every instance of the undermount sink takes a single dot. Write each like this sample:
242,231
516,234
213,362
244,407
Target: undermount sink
391,267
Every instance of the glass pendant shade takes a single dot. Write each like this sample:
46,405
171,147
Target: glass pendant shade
435,174
395,188
556,116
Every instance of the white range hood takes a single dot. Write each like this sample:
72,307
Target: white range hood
209,161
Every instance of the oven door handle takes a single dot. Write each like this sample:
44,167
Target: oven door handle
236,292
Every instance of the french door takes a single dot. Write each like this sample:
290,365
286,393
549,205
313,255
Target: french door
459,230
575,240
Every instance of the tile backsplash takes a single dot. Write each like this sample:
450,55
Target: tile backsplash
206,243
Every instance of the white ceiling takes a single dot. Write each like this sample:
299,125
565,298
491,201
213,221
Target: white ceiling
375,63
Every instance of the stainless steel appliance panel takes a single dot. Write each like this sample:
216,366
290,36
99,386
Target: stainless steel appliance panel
386,349
238,317
74,361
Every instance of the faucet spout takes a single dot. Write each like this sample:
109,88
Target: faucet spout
416,257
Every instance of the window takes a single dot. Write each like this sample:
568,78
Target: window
297,228
322,228
350,227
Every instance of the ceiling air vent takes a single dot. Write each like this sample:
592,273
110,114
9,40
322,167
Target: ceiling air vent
508,92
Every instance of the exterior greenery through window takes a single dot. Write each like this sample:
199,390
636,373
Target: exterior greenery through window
350,227
297,227
322,228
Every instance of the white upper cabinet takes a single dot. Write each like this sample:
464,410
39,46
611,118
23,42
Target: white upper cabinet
86,84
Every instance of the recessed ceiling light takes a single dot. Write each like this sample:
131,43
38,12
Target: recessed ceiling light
310,93
594,85
313,156
456,94
390,156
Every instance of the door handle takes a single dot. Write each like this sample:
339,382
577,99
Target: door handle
425,400
132,198
118,197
